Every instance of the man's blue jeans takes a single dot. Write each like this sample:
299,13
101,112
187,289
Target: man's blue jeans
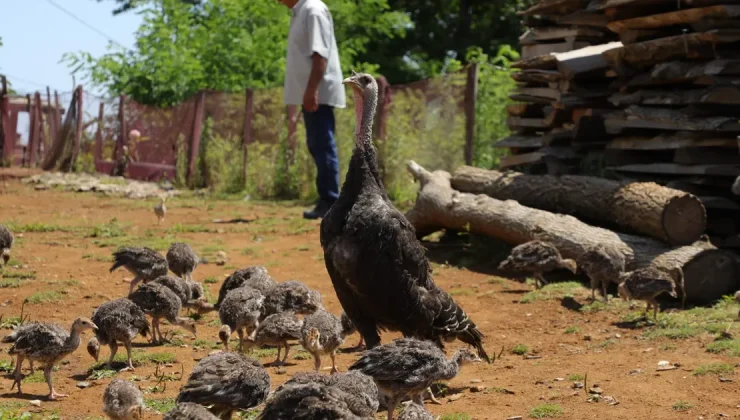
323,148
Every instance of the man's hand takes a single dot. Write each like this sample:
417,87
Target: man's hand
311,99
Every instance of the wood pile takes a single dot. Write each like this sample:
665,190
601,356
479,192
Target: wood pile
638,90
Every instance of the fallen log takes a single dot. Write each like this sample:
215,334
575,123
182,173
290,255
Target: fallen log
672,216
709,272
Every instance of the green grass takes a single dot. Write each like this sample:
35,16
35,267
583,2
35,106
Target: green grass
6,366
207,344
10,284
41,227
520,349
553,291
574,377
729,347
160,405
692,322
10,322
36,378
19,275
101,374
112,229
138,358
48,296
297,353
455,416
714,369
98,258
546,411
461,292
180,228
682,406
572,330
263,352
210,280
248,414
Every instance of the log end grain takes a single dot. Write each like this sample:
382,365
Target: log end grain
710,275
684,219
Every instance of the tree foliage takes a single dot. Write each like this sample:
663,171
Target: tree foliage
185,46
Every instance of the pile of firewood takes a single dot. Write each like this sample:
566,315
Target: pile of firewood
646,90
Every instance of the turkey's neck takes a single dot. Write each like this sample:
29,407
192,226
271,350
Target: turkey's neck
73,341
452,367
363,166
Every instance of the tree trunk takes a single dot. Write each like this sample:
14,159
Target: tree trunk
709,272
673,216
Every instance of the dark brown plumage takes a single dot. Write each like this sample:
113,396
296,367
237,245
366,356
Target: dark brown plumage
119,320
182,260
159,302
276,330
255,277
362,388
310,401
322,334
647,284
537,257
227,382
414,411
144,263
291,295
189,411
377,265
6,242
603,264
122,400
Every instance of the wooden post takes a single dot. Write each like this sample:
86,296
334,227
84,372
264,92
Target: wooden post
4,120
78,130
471,92
41,138
99,134
33,132
51,120
195,135
57,117
118,151
293,116
247,137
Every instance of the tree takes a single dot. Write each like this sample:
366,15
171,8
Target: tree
441,30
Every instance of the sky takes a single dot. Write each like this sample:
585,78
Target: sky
35,34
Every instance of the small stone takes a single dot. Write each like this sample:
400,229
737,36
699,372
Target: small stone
595,390
477,388
663,363
722,415
281,371
610,400
587,337
168,364
514,418
618,335
83,385
721,379
35,403
578,385
635,371
454,397
476,381
559,379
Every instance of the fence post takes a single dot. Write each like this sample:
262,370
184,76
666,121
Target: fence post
78,130
471,92
41,138
247,137
57,117
99,134
118,151
51,120
292,127
33,132
195,137
4,120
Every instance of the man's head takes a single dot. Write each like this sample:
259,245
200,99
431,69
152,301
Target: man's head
288,3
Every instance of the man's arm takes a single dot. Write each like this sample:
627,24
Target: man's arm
311,96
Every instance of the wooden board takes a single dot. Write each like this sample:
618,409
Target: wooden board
595,5
706,156
692,46
720,203
554,7
665,119
676,169
545,62
583,18
519,123
723,95
536,76
547,93
536,50
520,142
538,156
525,110
679,17
683,71
670,141
573,63
538,35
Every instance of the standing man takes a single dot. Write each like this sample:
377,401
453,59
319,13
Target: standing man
313,79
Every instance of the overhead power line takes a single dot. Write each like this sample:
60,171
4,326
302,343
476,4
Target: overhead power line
89,26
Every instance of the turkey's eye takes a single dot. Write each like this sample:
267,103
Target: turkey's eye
365,80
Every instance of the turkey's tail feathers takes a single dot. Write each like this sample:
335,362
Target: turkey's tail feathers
122,257
452,321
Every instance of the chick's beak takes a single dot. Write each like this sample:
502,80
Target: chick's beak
95,327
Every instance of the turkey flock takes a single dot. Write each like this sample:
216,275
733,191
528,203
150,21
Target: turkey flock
381,277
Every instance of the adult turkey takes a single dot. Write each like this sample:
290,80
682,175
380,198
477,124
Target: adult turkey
377,265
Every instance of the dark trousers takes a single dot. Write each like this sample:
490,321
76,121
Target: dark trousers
323,148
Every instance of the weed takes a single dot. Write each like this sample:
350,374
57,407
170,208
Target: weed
695,321
10,322
248,414
731,347
576,377
6,366
496,280
112,229
713,369
49,296
179,228
210,280
10,284
546,411
101,374
98,258
461,292
161,405
553,291
40,227
520,349
455,416
138,358
36,378
20,275
300,354
264,352
682,406
572,330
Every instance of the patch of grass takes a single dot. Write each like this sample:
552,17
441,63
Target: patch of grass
10,284
6,366
299,354
455,416
497,389
695,321
160,405
20,275
667,347
546,411
248,415
682,406
461,292
210,280
553,291
47,296
520,349
496,280
574,377
65,283
101,374
713,369
595,306
10,322
604,344
572,330
730,347
674,333
40,227
207,344
98,258
263,352
180,228
138,358
111,229
36,378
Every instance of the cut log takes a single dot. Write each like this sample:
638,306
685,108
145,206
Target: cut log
666,119
536,50
709,273
679,17
554,7
543,62
536,76
608,4
684,71
669,141
583,18
706,156
574,63
538,156
521,142
537,35
663,213
723,95
676,169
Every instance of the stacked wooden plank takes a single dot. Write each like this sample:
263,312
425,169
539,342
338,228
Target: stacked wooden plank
672,108
562,86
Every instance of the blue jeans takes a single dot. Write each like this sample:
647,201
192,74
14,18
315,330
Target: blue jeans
323,148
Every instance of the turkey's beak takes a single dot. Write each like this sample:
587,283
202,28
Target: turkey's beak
352,82
95,327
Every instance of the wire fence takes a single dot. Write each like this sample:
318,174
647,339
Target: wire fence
249,141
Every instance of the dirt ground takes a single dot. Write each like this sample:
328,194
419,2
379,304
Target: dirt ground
60,264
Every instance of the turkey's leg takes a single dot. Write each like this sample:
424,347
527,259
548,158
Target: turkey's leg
30,362
18,375
287,349
392,402
240,333
53,395
431,397
316,362
604,288
277,359
334,362
133,284
156,332
129,363
542,282
113,349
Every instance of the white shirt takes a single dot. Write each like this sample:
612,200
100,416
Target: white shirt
312,31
